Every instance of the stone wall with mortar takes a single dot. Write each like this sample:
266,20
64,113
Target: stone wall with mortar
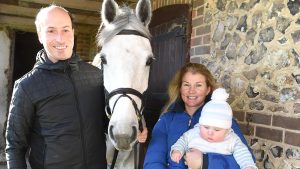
252,48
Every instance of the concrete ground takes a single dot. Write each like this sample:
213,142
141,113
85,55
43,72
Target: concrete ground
4,167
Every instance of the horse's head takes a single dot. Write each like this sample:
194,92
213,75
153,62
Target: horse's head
126,56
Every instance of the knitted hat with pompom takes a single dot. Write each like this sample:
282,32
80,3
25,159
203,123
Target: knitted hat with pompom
217,112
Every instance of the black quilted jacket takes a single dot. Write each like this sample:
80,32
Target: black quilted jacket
57,112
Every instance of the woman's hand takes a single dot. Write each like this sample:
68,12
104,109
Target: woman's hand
193,159
142,136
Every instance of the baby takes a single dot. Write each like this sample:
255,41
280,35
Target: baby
213,134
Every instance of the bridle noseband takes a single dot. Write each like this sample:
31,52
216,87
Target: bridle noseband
124,92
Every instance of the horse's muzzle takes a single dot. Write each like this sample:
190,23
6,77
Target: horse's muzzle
123,141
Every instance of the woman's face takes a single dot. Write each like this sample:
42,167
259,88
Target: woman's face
193,90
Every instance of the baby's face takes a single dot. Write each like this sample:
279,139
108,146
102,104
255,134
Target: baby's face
212,134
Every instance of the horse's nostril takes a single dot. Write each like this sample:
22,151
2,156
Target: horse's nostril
134,133
111,135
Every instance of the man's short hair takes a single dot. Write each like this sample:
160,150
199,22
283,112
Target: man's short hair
39,17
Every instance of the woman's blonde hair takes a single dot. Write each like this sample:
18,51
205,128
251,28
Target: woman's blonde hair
175,84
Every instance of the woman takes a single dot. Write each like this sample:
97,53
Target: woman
188,91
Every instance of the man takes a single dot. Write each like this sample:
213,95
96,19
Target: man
57,109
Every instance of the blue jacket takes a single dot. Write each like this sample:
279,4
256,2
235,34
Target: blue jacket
169,128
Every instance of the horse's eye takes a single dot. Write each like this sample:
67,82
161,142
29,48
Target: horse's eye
150,61
103,59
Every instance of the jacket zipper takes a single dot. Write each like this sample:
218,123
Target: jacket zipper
190,122
45,153
69,73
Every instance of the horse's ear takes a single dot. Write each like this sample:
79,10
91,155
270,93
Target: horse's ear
143,11
109,11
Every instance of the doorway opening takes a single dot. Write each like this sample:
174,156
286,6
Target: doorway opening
25,49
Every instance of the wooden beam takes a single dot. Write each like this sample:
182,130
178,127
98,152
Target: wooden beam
75,4
18,23
31,13
27,24
18,10
85,19
8,20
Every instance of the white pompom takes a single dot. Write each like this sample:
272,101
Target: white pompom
219,94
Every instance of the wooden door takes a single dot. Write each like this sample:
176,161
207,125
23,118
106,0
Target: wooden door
170,29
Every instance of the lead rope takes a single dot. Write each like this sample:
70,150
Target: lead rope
138,146
135,156
114,159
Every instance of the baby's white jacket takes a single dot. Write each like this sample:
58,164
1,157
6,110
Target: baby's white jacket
232,144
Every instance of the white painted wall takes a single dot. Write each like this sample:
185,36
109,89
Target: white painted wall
4,66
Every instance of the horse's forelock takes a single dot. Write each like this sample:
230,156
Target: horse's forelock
125,19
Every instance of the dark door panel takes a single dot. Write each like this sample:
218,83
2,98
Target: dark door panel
170,43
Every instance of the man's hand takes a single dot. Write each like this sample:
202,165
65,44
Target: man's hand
250,167
176,156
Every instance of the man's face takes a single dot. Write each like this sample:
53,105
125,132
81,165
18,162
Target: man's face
57,35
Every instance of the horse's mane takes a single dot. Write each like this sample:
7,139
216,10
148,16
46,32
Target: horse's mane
124,20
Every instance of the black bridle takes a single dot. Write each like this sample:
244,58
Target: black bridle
126,92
